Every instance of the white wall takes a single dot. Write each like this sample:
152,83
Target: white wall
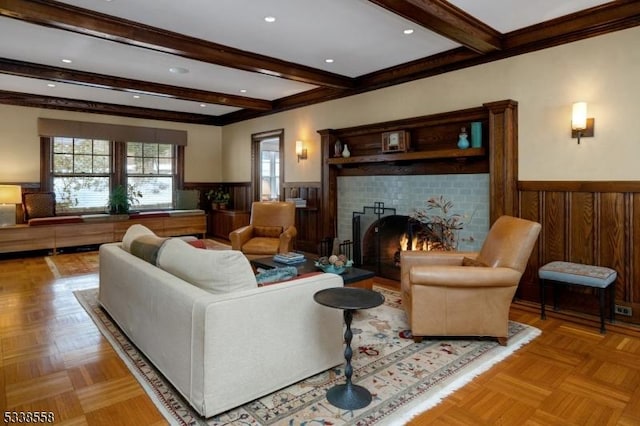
20,143
602,71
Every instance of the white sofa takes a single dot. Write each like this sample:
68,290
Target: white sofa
221,350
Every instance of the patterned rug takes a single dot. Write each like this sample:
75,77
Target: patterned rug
405,378
68,264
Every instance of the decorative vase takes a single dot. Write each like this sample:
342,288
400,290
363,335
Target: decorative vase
463,141
476,134
337,149
345,152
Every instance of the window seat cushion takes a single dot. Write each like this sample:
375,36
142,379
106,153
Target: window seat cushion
55,220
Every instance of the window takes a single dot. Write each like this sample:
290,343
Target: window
270,172
267,171
82,172
150,170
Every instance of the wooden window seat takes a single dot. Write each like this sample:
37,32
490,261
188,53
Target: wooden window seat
69,231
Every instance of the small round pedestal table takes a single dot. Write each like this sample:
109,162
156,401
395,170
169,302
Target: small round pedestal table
348,396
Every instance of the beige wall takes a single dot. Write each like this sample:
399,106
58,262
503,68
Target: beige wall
20,143
602,71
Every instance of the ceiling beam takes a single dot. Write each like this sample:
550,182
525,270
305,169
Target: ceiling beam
50,102
82,21
101,81
448,21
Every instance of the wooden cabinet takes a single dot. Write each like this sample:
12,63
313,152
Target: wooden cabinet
222,222
24,237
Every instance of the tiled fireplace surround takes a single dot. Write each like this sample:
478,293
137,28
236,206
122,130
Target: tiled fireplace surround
469,194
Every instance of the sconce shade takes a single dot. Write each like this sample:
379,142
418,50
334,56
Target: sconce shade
301,152
579,116
10,194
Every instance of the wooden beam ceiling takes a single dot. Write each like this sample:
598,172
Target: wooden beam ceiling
481,45
447,20
87,22
63,75
50,102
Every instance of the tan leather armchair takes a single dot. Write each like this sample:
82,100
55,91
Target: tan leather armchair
271,229
443,297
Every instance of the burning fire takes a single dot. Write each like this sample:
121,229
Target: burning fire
415,244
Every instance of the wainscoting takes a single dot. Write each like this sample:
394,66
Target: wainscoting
585,222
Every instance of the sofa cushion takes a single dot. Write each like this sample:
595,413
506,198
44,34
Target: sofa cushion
134,232
216,271
55,220
267,231
147,246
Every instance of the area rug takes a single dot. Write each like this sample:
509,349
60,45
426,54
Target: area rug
69,264
405,378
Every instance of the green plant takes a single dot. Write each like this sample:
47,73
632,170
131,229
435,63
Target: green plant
219,195
439,230
121,199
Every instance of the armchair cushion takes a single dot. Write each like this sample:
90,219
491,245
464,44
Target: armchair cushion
267,231
468,261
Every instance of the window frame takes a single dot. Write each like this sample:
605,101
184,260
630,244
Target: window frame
118,173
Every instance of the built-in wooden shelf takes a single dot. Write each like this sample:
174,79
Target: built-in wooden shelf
409,156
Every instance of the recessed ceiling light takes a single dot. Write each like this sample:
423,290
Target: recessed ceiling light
136,96
67,61
270,18
203,105
243,90
51,85
408,31
329,60
178,70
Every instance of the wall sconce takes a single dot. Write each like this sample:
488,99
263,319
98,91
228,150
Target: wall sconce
10,195
301,152
581,126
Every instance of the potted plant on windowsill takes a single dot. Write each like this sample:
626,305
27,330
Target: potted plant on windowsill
121,199
219,198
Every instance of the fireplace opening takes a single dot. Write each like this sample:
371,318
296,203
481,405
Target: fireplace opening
385,235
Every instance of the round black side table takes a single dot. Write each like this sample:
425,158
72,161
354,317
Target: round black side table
348,396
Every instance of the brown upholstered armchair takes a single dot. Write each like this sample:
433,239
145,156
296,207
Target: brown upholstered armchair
271,229
467,294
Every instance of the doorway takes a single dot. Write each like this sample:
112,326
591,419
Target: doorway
267,165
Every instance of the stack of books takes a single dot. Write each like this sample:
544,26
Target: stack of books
289,257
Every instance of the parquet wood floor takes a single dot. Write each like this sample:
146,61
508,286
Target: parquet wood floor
54,359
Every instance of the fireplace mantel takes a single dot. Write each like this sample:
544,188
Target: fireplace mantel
434,151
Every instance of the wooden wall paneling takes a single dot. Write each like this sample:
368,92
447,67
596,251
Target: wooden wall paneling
632,295
554,233
308,222
582,241
587,222
530,207
503,158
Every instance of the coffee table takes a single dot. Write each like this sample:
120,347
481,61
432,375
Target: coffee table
352,277
348,396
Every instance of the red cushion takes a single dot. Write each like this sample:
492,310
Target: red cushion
198,244
144,215
55,220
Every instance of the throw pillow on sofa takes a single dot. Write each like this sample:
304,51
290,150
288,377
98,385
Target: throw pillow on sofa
216,271
146,247
133,232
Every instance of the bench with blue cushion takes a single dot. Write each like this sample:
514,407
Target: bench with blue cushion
578,274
